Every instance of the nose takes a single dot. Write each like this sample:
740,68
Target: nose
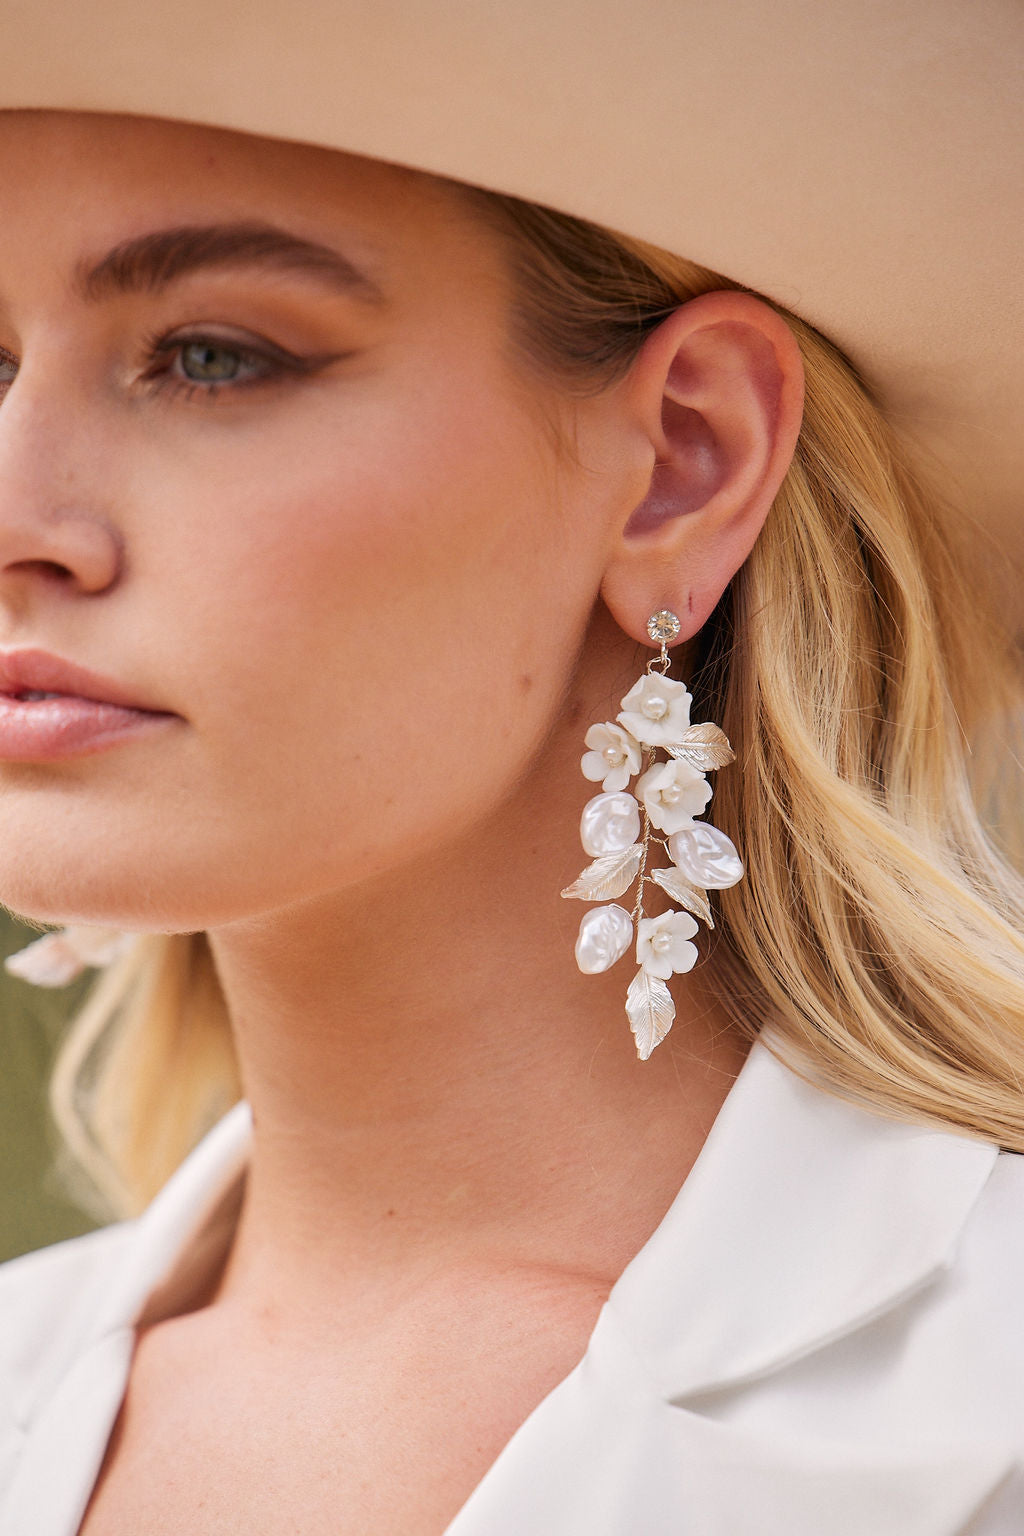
63,545
54,528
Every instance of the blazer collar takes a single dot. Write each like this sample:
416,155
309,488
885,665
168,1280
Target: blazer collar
803,1217
187,1226
159,1254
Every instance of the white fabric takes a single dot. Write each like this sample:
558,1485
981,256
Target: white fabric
824,1335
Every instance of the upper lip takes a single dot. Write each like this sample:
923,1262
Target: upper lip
35,671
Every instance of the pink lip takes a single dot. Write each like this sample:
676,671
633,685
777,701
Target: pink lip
86,713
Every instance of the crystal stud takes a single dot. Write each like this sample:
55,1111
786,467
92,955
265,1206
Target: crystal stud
663,626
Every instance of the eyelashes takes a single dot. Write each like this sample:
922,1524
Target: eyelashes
202,364
8,371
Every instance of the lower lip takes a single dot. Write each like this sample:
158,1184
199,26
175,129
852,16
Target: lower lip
43,730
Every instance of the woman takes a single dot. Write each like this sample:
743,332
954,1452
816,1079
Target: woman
341,502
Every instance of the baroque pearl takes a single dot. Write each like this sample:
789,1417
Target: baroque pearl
610,823
606,933
706,857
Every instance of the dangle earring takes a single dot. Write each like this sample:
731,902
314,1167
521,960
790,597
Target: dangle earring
59,958
618,829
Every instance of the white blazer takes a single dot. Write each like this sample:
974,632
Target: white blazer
824,1337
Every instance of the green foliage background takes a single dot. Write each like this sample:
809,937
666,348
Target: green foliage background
34,1207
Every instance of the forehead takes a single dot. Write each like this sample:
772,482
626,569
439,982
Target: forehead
93,180
145,149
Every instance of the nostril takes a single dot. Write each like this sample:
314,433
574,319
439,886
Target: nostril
49,570
57,548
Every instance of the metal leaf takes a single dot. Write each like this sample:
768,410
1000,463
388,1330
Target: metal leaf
688,896
705,747
650,1011
610,875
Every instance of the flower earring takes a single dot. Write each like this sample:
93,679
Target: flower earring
59,958
618,829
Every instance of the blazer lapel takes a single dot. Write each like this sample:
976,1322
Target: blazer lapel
603,1455
69,1396
804,1218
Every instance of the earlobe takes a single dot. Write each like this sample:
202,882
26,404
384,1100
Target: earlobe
718,389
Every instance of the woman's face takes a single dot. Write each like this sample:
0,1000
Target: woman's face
270,470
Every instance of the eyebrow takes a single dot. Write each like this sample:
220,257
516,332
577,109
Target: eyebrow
150,262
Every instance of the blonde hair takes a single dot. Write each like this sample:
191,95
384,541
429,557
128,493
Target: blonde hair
878,930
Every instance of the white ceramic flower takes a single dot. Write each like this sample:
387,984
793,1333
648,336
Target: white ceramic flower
605,935
609,824
656,710
613,758
673,793
663,944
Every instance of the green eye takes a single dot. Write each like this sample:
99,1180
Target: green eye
199,364
204,363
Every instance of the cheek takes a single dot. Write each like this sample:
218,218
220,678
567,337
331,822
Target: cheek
378,625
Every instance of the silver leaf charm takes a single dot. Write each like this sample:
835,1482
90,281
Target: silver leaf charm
610,875
705,747
694,900
650,1011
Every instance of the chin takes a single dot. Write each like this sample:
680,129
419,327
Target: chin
66,902
97,887
161,872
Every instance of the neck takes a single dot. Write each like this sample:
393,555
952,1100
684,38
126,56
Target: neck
431,1076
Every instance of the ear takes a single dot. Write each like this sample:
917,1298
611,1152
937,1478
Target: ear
717,391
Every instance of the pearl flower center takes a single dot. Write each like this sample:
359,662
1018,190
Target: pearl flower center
654,706
661,943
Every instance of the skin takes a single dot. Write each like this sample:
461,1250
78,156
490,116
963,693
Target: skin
381,599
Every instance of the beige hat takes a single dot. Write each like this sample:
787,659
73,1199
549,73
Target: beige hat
860,162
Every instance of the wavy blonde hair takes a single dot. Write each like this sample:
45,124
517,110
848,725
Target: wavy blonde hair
878,931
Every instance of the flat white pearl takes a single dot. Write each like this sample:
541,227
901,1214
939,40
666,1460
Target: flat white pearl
610,824
606,933
705,856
